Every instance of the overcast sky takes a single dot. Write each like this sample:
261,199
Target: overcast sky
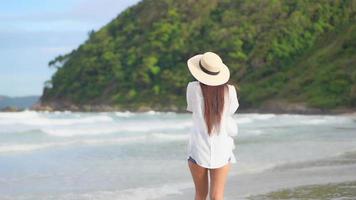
33,32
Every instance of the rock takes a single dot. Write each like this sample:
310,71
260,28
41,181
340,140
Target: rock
283,106
143,109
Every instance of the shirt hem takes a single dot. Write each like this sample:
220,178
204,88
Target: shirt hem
233,160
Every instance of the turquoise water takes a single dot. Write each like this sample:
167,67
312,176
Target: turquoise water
123,155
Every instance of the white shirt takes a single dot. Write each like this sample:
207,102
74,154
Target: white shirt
215,150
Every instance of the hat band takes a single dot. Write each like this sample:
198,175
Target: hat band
207,71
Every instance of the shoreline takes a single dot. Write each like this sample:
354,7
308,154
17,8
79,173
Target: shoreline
308,182
268,107
313,191
106,108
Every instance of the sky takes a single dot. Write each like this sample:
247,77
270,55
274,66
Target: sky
33,32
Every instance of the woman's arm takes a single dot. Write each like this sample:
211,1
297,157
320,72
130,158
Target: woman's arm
234,102
190,97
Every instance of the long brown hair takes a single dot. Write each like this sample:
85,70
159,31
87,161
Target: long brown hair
213,104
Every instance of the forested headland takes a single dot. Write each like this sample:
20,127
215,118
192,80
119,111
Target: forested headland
283,55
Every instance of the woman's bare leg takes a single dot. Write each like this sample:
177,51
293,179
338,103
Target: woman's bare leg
218,179
201,180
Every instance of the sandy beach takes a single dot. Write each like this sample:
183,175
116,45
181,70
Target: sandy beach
286,182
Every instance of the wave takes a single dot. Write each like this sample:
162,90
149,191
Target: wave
151,112
79,131
138,193
17,115
36,119
29,147
255,132
142,193
121,140
320,119
108,128
251,117
80,124
339,159
294,119
4,148
7,148
244,168
314,121
169,136
62,112
261,116
124,114
243,120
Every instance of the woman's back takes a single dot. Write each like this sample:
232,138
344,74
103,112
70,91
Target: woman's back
212,150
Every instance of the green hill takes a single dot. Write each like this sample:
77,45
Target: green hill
296,52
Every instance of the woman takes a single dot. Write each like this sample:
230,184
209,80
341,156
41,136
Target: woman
212,102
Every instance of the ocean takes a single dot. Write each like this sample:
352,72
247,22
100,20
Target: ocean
141,156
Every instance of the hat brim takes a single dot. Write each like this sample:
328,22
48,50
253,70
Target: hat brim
213,80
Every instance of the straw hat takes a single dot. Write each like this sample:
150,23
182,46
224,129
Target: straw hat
209,69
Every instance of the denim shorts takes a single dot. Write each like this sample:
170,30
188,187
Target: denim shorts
191,159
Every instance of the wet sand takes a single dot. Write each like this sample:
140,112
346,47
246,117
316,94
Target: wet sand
317,180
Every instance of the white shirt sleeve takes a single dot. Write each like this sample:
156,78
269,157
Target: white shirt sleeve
190,97
234,102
